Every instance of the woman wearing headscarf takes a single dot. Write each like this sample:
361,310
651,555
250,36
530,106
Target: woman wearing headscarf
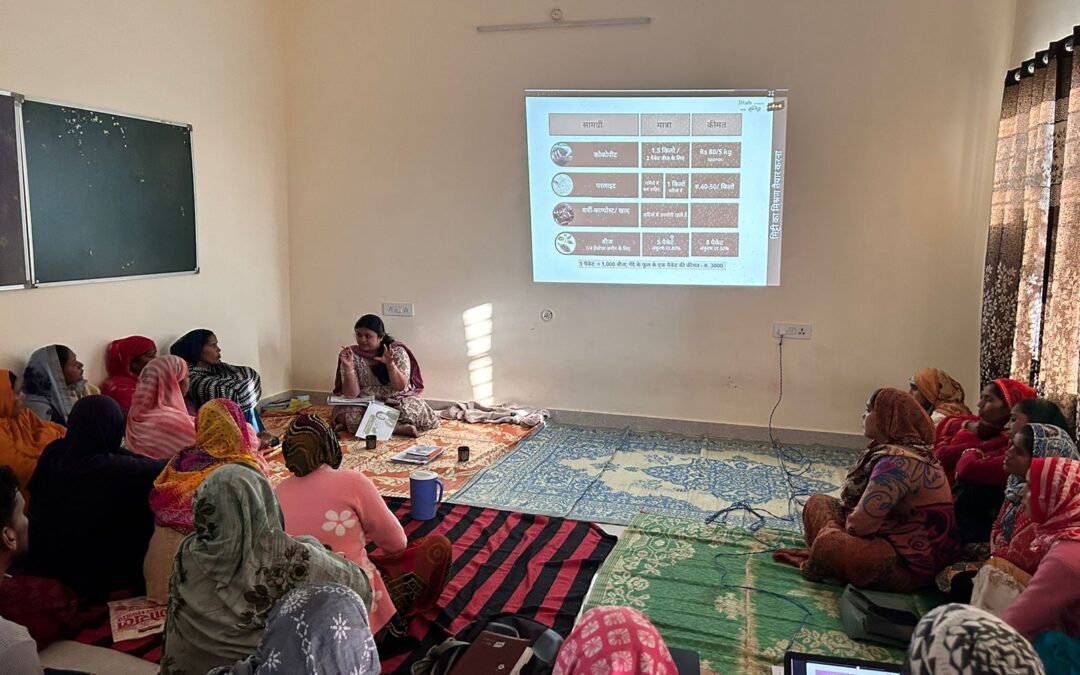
233,572
939,394
1014,536
1051,602
1018,546
1012,532
958,639
158,424
222,437
318,628
124,360
53,381
615,640
972,450
213,378
385,369
23,435
893,527
90,522
343,509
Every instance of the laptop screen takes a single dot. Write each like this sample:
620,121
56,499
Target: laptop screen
808,664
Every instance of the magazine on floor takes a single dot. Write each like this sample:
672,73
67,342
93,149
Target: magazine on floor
379,420
418,454
135,618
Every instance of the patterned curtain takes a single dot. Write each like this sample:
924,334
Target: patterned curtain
1031,284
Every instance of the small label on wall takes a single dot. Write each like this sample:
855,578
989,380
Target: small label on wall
397,309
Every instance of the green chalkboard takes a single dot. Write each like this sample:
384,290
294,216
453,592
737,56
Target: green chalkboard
110,196
12,259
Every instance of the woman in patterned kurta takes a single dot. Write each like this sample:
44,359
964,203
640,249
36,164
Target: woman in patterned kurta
383,368
894,526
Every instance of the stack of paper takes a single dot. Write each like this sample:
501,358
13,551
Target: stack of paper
345,400
418,454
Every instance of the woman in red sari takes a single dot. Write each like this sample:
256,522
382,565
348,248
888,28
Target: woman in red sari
972,451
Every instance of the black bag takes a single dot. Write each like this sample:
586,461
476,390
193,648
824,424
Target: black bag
873,616
545,644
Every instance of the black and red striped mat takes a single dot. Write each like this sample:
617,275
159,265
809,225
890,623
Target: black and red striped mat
537,566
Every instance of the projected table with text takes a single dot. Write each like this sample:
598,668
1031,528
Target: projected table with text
656,189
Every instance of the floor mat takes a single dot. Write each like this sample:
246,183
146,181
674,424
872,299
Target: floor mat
487,444
537,566
688,577
609,475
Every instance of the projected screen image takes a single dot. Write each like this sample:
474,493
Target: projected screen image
676,188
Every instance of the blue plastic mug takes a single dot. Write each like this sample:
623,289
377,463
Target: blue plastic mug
425,494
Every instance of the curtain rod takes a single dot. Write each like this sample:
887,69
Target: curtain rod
558,22
1042,58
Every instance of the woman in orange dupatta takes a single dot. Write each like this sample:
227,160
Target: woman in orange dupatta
23,435
939,394
222,437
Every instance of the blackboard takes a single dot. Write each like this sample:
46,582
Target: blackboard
12,251
110,196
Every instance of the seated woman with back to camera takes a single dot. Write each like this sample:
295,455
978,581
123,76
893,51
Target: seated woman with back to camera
894,526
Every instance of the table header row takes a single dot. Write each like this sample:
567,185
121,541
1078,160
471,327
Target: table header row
646,124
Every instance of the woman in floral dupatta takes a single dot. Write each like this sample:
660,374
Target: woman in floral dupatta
229,576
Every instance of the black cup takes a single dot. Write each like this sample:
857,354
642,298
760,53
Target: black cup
463,453
370,441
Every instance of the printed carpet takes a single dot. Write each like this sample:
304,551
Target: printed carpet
716,590
609,475
487,444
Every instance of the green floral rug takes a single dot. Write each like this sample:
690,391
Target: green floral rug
693,581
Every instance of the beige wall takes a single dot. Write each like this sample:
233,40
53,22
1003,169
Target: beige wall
407,182
218,66
1040,22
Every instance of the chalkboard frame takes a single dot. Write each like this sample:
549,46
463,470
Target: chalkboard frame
20,159
28,227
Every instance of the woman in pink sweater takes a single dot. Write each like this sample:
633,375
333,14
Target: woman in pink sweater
343,509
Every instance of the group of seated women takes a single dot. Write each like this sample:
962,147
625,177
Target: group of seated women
985,505
115,483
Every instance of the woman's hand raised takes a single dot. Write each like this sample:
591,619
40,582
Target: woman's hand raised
345,356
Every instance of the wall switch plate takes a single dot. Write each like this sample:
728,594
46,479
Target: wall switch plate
397,309
792,331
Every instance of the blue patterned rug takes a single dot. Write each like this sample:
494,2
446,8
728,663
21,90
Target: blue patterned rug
610,475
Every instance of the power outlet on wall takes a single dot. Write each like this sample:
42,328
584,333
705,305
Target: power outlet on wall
397,309
792,331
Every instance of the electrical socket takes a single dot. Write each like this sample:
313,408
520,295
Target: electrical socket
397,309
792,331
